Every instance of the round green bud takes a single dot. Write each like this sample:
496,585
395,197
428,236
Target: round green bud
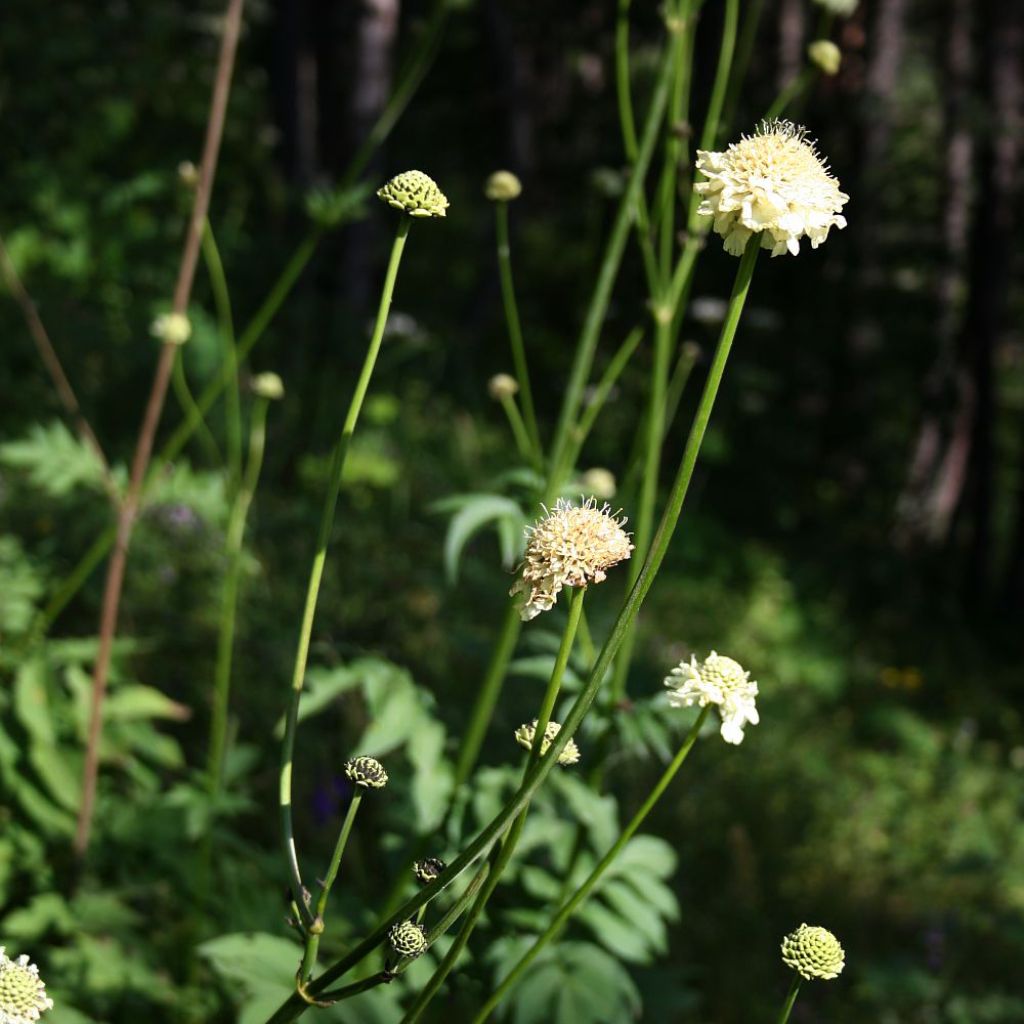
502,386
503,187
428,869
415,193
367,772
267,385
825,55
408,939
813,952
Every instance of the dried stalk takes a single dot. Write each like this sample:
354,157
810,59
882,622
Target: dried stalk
144,446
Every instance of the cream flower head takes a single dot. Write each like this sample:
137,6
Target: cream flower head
525,735
844,8
171,328
23,997
774,182
813,952
716,680
570,546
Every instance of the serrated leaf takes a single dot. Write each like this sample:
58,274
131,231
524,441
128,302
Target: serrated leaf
54,460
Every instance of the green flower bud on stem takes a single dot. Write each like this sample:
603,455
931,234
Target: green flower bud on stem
367,772
415,193
813,952
503,187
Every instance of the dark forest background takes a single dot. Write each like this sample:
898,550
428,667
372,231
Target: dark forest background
855,534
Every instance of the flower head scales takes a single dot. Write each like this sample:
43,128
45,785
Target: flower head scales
716,680
570,546
773,182
525,735
407,938
23,997
367,772
813,952
415,193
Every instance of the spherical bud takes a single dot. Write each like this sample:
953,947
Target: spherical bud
267,385
825,55
171,328
415,193
599,482
23,995
502,386
503,187
428,869
367,772
408,939
188,174
813,952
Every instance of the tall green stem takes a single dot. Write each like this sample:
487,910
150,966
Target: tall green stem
507,849
222,302
189,408
319,558
229,597
587,345
569,908
313,934
787,1006
295,1006
515,330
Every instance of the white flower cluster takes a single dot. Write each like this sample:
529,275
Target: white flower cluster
22,993
720,681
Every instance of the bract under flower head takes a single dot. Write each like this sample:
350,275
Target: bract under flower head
716,680
775,183
525,735
813,952
570,546
23,997
415,193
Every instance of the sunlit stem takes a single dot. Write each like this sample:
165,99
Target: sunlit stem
319,558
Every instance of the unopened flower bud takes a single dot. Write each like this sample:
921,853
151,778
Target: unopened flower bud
813,952
428,869
188,174
599,482
502,386
267,385
503,187
825,55
171,328
367,772
408,939
415,193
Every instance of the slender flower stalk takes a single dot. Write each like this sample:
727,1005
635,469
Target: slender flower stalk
572,904
320,556
504,853
295,1006
129,508
229,594
515,330
225,322
791,995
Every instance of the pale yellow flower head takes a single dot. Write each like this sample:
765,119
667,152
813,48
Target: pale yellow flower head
525,735
171,328
570,546
600,482
825,55
23,997
267,385
813,952
774,182
415,193
720,681
844,8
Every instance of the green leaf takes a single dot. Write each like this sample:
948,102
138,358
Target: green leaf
615,933
60,772
21,589
54,460
474,513
130,703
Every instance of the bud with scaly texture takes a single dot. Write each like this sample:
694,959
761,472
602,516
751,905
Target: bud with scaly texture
408,939
415,193
367,772
813,952
503,187
428,869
